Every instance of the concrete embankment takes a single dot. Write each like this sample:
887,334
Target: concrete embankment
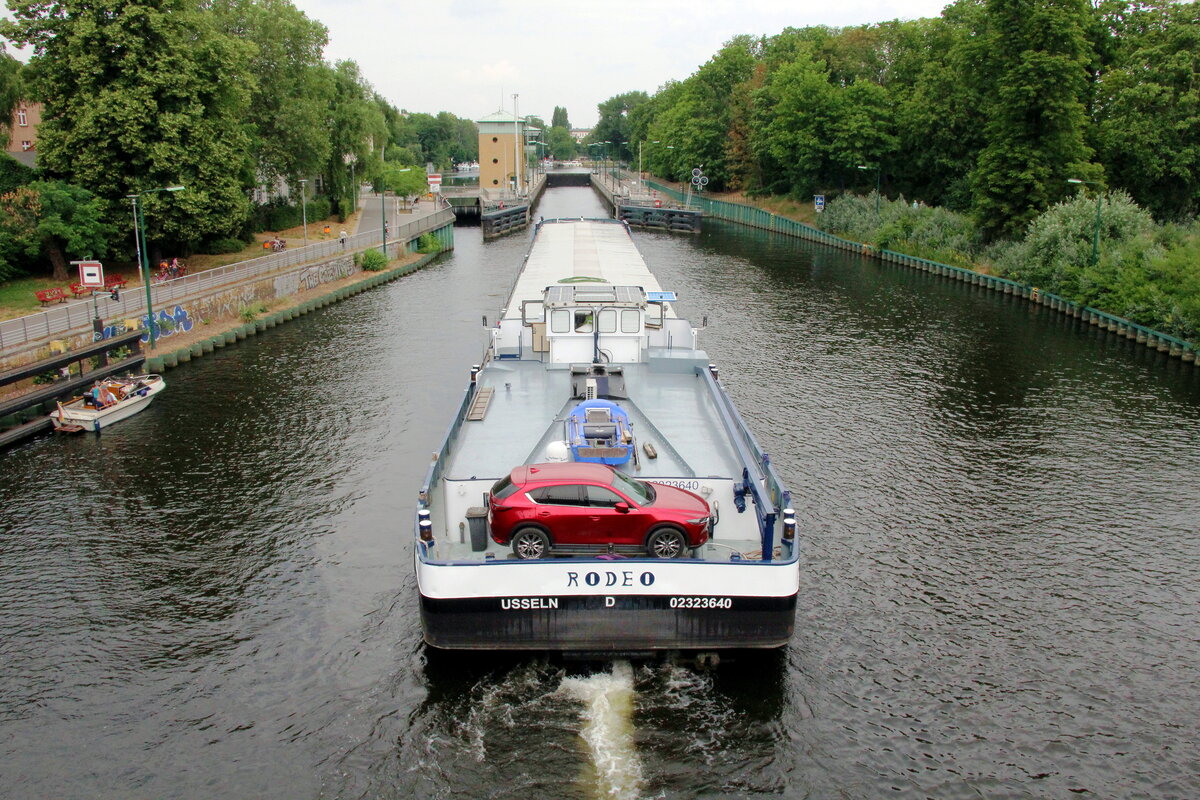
197,343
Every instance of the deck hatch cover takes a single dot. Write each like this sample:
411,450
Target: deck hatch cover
572,295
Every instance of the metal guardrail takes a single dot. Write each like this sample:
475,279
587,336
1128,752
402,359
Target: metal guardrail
76,317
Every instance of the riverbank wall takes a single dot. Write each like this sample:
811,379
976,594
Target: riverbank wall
755,217
224,317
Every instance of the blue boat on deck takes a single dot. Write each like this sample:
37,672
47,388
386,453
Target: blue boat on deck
598,431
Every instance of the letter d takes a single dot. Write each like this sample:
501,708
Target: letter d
609,602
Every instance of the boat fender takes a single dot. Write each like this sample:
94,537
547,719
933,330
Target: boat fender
650,450
789,526
426,535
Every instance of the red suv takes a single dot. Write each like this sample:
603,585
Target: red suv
584,508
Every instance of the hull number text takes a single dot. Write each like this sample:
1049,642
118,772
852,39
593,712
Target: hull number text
701,602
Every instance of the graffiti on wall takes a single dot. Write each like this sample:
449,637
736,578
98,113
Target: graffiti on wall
167,324
312,277
109,331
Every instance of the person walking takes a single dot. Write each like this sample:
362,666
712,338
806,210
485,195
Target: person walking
342,237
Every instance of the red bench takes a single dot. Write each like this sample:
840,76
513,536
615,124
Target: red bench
115,282
48,296
78,289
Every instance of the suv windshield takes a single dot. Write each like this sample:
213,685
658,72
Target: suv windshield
640,491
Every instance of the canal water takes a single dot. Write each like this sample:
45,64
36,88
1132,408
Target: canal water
999,591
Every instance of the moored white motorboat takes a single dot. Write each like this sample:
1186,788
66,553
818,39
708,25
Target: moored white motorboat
110,400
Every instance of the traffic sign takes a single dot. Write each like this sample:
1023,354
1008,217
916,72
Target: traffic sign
819,202
91,274
435,178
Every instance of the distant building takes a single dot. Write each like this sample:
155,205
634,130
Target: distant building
502,149
579,134
22,133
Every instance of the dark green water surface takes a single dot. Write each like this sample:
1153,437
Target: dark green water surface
1000,593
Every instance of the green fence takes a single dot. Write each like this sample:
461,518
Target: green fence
758,218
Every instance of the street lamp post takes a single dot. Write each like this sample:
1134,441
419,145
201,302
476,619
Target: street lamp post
304,207
383,194
141,247
1096,229
878,172
641,180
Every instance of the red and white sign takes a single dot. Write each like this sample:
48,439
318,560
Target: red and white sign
434,178
91,274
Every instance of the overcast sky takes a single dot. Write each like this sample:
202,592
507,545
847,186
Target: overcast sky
464,56
470,56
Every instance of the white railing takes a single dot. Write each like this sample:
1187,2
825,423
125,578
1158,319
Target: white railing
76,317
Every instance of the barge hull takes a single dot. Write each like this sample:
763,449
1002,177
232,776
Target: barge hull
600,624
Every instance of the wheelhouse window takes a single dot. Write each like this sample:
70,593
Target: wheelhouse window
584,320
560,320
608,320
631,321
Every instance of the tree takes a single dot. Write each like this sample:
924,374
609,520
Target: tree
559,118
358,134
613,125
10,91
1147,118
138,96
793,111
562,144
404,181
54,220
1032,60
290,96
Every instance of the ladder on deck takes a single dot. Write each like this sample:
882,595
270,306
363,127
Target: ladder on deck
479,405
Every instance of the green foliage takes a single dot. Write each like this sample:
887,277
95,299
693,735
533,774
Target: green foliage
559,118
405,181
372,260
428,243
13,174
139,97
613,126
251,312
292,89
1056,251
1032,73
219,246
562,144
1148,109
937,234
51,220
10,92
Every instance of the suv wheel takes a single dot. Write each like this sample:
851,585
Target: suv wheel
666,543
530,543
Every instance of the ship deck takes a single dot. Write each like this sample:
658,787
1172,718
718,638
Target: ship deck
670,407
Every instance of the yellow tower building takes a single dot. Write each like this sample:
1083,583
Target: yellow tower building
502,155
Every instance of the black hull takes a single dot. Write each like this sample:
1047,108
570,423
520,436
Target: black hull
600,624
